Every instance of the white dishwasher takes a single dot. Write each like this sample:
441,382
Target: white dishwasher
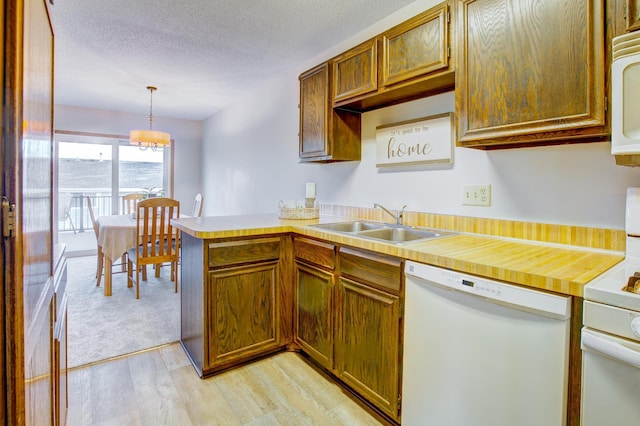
482,353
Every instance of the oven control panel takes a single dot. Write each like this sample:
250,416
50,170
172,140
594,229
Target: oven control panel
609,319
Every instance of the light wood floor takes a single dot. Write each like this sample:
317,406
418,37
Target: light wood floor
160,387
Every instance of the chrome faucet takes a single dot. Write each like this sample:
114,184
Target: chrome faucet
397,216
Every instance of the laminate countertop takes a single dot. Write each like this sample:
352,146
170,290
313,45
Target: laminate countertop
558,268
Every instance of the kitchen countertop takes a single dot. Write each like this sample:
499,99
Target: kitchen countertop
554,267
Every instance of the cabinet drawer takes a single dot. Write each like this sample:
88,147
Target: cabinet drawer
243,251
382,271
315,252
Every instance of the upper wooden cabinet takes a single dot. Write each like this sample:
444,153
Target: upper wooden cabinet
325,134
530,72
416,47
355,72
409,61
625,14
632,14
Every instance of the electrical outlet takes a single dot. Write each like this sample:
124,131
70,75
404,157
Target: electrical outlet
476,195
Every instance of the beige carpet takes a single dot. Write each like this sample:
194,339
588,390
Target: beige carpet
102,327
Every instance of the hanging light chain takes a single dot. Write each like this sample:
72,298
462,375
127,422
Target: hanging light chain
151,90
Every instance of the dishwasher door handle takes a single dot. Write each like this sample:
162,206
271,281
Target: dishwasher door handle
593,342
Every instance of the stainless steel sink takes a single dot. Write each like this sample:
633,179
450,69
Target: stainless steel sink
399,235
395,234
349,226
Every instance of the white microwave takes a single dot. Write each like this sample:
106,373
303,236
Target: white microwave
625,95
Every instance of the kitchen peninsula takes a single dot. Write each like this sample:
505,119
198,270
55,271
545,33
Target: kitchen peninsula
242,278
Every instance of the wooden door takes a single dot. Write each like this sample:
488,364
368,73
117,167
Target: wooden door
27,127
368,343
313,313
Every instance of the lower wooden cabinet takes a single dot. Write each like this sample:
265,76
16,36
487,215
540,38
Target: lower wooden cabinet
314,282
235,304
368,339
368,343
246,298
243,306
313,313
348,318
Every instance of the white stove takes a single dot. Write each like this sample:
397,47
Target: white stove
610,287
611,335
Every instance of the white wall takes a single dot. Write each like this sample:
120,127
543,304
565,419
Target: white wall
186,133
251,155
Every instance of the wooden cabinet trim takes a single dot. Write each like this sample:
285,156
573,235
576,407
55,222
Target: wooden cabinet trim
440,14
59,286
60,366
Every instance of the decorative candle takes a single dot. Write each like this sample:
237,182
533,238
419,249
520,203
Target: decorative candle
311,190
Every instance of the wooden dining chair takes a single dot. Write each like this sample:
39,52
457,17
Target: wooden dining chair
157,240
129,202
197,206
96,230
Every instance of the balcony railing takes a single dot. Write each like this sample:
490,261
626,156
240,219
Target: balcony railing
73,213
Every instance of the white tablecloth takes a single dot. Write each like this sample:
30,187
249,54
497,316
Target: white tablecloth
116,234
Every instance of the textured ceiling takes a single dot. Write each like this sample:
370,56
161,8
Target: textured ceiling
199,53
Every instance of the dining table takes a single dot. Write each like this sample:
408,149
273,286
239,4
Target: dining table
116,235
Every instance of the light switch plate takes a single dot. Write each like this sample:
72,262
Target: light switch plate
476,195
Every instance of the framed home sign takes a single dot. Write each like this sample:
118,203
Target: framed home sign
421,141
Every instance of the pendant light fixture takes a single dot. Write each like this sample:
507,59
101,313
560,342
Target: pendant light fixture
149,138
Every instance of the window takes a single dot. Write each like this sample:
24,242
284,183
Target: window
104,168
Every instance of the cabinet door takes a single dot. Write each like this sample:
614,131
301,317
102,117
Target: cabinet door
244,310
355,72
314,101
326,134
530,72
313,315
416,47
632,14
367,346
